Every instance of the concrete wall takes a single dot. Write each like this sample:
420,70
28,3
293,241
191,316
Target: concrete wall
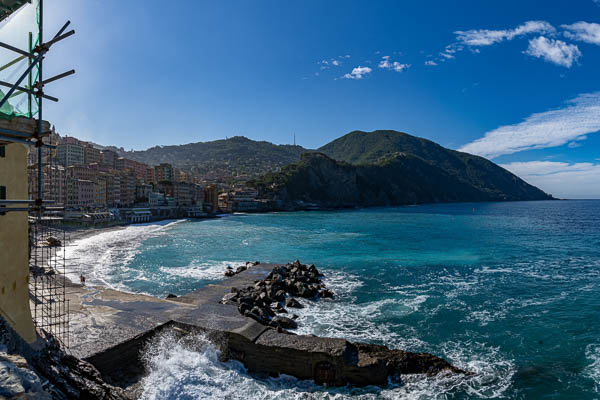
14,245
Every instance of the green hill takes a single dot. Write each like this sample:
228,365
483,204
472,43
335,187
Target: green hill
371,147
390,168
236,155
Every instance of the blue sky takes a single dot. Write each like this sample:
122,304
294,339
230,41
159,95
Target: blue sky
512,81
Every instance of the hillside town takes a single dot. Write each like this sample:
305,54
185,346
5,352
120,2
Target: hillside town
96,185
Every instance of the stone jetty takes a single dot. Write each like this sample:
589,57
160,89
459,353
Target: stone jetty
245,316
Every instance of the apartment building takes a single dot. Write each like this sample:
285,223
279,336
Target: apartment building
91,155
80,193
163,172
109,158
70,154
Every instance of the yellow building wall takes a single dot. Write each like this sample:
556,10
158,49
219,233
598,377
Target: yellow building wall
14,245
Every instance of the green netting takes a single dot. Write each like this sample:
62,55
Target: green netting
20,30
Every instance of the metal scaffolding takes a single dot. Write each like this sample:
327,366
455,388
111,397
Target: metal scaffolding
47,244
47,238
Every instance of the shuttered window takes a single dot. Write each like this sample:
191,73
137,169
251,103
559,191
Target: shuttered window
2,151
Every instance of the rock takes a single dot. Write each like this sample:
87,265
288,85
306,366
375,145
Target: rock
264,297
228,298
279,295
53,242
258,311
229,273
293,303
285,322
326,294
244,308
256,317
311,291
171,296
241,268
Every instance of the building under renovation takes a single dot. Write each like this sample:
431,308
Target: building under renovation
32,242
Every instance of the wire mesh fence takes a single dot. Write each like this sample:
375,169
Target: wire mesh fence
48,281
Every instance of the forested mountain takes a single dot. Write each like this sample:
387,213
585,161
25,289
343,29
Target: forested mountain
390,168
237,155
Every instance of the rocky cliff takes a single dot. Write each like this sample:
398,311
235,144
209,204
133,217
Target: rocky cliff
395,179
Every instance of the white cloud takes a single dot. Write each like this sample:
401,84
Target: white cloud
597,2
487,37
554,51
583,31
335,62
563,180
395,65
552,128
358,73
430,62
450,51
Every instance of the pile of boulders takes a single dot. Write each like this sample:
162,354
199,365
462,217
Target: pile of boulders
229,271
268,298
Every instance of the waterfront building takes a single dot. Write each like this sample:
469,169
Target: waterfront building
70,140
150,175
123,164
53,181
225,202
139,170
156,199
142,190
14,249
181,194
80,193
113,189
163,173
128,184
109,158
70,153
135,215
79,171
100,200
197,194
211,198
91,155
244,200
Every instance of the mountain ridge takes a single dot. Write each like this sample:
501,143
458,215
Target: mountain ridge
383,168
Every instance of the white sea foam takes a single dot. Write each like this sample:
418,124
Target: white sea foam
344,317
202,270
103,258
592,353
190,368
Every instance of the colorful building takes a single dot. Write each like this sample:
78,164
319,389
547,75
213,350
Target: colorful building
163,173
70,154
14,247
91,155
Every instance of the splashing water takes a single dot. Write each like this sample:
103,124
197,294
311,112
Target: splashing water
510,291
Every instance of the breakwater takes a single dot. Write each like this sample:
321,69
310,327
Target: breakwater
111,330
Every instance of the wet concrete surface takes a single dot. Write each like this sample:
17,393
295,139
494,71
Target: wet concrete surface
102,318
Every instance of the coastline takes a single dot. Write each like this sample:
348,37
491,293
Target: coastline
481,359
112,330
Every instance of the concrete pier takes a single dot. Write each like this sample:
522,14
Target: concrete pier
111,328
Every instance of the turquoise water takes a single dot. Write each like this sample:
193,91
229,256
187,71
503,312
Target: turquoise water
508,290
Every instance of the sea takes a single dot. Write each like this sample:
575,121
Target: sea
509,291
